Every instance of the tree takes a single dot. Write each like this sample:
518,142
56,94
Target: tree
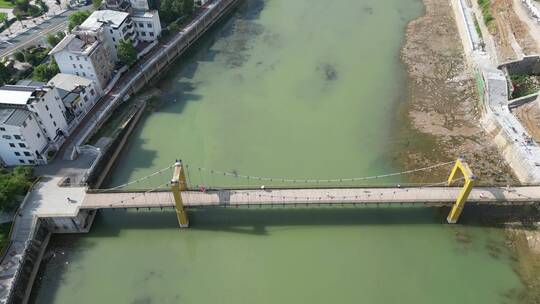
187,7
44,72
19,56
127,52
13,185
78,18
171,10
5,74
22,5
53,39
96,4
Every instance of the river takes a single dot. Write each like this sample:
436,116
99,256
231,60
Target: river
303,89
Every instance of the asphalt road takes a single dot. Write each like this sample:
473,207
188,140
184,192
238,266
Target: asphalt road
37,34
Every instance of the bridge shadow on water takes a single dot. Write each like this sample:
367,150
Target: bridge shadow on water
256,220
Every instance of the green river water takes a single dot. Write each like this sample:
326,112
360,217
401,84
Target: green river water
305,89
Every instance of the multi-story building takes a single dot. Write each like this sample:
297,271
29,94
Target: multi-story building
127,6
115,25
22,140
34,120
146,21
78,94
87,54
147,25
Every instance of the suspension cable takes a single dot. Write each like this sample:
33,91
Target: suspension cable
294,180
137,180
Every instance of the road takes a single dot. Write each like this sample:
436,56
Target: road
37,34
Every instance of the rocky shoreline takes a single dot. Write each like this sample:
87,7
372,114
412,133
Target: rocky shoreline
442,122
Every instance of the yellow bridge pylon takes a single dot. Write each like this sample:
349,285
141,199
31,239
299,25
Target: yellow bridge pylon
178,184
460,167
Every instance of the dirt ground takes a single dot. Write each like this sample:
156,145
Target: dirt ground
529,116
442,109
509,32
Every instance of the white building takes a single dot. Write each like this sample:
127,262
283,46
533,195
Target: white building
78,94
116,26
22,141
34,120
147,25
87,54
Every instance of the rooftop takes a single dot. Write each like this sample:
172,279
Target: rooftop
16,95
13,117
144,14
79,42
98,18
68,82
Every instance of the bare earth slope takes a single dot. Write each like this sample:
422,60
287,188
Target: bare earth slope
442,107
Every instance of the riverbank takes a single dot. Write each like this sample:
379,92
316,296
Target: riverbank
443,111
443,116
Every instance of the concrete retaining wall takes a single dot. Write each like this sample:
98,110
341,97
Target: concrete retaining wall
516,102
529,65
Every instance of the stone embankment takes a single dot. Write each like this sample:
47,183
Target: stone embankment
516,145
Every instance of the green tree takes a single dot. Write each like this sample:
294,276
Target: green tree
96,4
5,74
19,56
22,5
187,8
127,52
13,185
44,72
171,10
53,39
78,18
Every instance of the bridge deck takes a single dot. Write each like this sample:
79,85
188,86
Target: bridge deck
422,196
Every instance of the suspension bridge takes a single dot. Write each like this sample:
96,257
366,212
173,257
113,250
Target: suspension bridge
180,195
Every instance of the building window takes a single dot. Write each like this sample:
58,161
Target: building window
74,66
85,98
27,153
77,73
2,129
80,65
22,145
50,115
6,137
17,154
31,161
92,92
110,30
78,58
54,123
149,25
21,161
151,34
29,117
46,107
143,34
38,135
70,57
141,25
84,74
17,136
24,124
12,145
114,40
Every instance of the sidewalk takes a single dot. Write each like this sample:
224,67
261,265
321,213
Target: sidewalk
19,27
